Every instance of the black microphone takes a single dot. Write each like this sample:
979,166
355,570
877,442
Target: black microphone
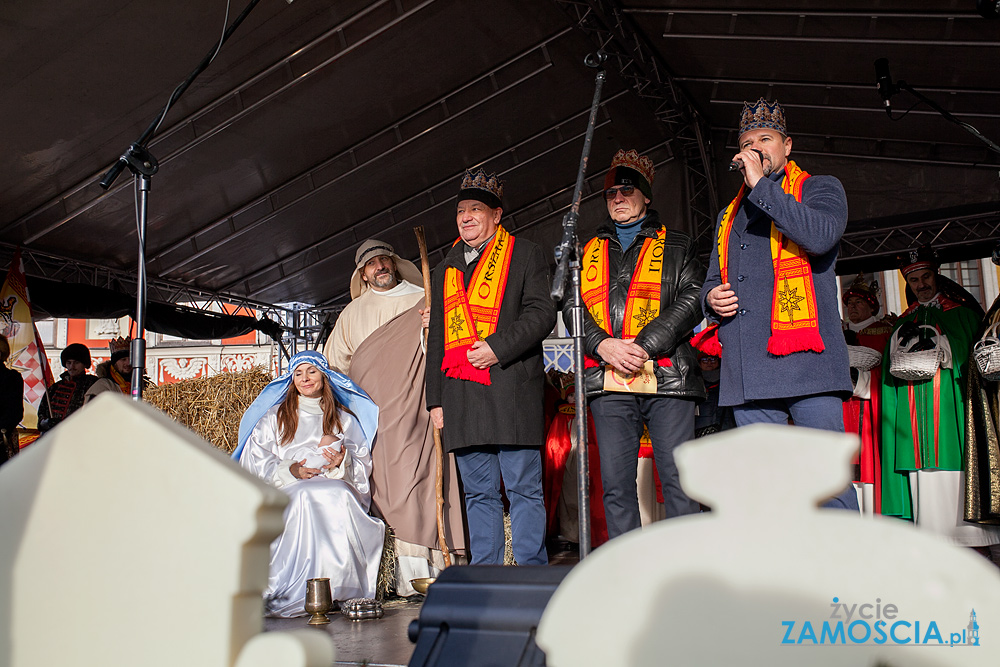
735,164
883,81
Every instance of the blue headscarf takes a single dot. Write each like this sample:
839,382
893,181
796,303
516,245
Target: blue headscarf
347,393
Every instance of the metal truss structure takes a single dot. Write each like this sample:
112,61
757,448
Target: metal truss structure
878,26
300,326
611,29
964,227
52,267
301,322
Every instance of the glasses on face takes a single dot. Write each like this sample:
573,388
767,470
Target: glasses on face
626,190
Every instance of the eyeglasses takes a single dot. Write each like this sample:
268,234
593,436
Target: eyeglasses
626,191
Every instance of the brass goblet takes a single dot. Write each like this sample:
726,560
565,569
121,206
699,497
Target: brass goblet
319,601
422,584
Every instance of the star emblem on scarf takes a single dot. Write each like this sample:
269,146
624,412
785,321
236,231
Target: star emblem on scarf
645,315
789,299
456,326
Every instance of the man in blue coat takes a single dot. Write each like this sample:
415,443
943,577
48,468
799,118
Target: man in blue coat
771,286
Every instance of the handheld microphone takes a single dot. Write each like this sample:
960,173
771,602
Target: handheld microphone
736,164
883,81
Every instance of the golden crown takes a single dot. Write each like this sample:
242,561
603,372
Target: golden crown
480,180
630,158
119,344
763,115
861,286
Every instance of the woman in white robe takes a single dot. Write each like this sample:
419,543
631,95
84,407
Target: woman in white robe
325,469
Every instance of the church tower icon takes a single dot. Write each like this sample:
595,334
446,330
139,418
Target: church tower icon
972,636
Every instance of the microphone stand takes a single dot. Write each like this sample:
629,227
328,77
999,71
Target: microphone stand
138,160
886,88
568,257
902,85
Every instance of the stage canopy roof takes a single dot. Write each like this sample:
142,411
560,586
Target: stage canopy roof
321,124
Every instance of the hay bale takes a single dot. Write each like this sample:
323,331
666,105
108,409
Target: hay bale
385,586
211,406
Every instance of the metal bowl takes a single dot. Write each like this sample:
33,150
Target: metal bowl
420,585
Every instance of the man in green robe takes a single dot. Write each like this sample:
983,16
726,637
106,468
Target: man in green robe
923,421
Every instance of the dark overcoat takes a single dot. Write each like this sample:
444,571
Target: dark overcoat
510,410
748,371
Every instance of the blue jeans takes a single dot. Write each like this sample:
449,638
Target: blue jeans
821,411
520,468
618,421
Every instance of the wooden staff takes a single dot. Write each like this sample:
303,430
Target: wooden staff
425,268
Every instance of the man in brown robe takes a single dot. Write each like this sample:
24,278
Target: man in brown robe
389,365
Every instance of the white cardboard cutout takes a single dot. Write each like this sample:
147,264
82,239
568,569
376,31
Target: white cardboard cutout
738,585
128,540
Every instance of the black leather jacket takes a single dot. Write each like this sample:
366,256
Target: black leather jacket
680,310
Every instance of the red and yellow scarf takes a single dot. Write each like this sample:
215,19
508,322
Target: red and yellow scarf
642,303
471,318
794,315
124,384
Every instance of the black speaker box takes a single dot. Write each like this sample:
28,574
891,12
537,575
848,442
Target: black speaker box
484,615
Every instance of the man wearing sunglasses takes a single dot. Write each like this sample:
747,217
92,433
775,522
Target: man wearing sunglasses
641,284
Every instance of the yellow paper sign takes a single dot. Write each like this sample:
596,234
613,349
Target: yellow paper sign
640,382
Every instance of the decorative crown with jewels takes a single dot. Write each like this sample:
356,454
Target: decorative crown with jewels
763,115
860,288
631,159
480,180
119,344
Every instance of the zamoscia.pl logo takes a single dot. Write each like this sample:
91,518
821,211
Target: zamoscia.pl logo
875,623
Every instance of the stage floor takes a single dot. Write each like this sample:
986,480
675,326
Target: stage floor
383,642
375,643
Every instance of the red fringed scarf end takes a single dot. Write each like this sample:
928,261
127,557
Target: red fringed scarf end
801,340
456,365
707,342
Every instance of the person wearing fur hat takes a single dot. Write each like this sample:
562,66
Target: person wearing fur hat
864,331
382,286
771,290
924,421
116,373
67,394
641,283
